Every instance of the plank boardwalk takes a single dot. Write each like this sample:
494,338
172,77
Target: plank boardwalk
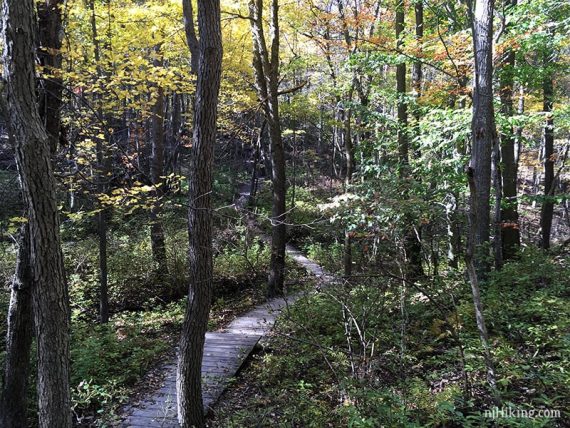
224,354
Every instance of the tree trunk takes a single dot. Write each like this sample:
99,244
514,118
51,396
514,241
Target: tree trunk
103,270
49,292
157,239
417,72
412,245
49,54
278,229
497,219
547,210
479,171
483,135
188,381
13,402
350,165
266,67
103,214
510,232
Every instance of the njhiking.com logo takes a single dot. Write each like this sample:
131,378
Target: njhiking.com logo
508,412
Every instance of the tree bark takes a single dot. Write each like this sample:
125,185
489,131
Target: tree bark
266,67
49,53
13,402
49,291
417,72
103,214
188,381
510,232
547,210
483,135
157,239
479,171
412,245
191,38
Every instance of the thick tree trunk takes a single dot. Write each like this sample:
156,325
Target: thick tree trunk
188,382
49,292
547,210
13,402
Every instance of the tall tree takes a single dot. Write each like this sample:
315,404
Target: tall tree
157,238
189,379
510,217
547,210
483,135
266,67
412,245
13,399
103,212
50,304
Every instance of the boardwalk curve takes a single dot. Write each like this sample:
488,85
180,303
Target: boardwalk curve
224,352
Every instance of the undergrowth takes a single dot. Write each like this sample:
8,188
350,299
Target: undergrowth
370,361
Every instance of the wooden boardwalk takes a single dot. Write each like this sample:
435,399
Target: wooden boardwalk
224,354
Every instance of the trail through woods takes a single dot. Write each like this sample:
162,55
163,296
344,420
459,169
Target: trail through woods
225,351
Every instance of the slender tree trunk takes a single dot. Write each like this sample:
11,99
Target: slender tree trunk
479,171
483,135
456,217
350,164
266,67
50,304
412,245
103,270
191,38
256,160
510,233
497,219
403,144
104,212
157,239
49,53
547,210
189,379
417,72
13,402
278,229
